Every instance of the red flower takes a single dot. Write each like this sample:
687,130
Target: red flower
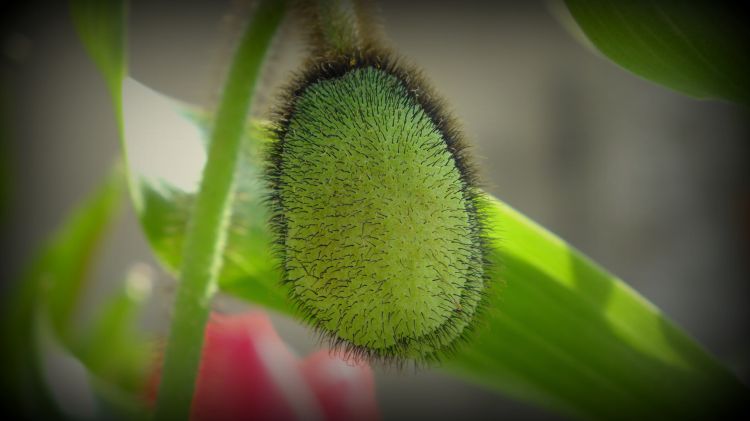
247,372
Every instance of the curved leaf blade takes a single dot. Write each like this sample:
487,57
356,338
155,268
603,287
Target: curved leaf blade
51,286
101,26
111,347
564,333
695,47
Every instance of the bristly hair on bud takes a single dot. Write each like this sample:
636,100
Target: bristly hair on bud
376,206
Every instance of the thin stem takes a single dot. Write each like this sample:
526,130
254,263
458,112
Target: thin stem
206,232
337,26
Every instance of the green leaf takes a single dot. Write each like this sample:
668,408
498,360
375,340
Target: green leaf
562,332
77,392
695,47
45,358
112,347
65,268
52,285
101,26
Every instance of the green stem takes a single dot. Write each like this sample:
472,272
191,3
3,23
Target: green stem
336,26
201,261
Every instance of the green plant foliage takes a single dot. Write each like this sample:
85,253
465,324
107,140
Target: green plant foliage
51,286
112,347
101,26
63,268
566,334
558,331
696,47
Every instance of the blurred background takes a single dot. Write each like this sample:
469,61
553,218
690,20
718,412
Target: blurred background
651,184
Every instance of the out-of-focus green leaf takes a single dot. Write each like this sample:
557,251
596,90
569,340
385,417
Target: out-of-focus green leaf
101,26
112,347
57,273
63,272
562,332
696,47
78,392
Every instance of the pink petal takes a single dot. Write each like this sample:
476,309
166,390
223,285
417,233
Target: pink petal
248,372
233,383
345,390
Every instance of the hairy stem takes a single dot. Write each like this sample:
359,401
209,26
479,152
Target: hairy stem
336,26
205,237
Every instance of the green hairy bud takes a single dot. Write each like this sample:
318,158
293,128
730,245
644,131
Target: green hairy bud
376,210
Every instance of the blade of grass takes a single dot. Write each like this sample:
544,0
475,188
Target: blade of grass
206,232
